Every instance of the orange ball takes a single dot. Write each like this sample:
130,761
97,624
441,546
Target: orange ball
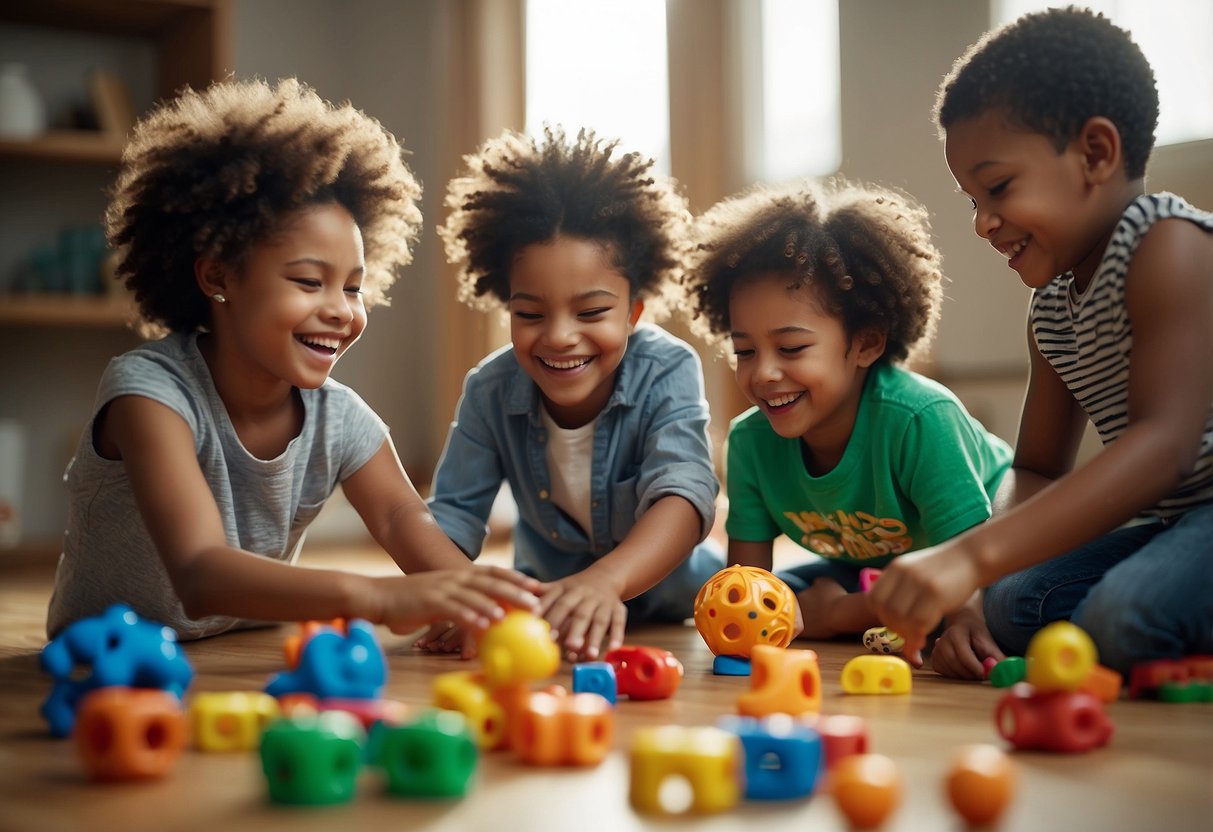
981,783
867,788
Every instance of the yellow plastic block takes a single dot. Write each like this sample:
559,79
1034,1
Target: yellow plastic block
782,681
706,758
466,692
1060,657
231,720
518,648
876,675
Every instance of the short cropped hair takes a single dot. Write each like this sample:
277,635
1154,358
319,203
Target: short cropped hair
864,251
1052,71
215,173
518,191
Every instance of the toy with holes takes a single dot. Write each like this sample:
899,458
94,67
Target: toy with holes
643,673
783,681
842,735
313,760
741,607
336,665
231,720
1189,679
468,693
433,755
596,677
876,675
556,728
518,648
129,733
706,759
116,648
783,756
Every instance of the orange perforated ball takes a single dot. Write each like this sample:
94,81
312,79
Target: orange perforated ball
743,606
867,788
981,783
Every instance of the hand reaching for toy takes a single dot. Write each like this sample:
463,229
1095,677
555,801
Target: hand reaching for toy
472,597
582,613
959,651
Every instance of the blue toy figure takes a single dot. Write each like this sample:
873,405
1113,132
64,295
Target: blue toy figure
783,757
336,666
121,649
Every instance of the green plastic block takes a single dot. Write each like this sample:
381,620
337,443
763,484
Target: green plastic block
313,761
433,756
1008,672
1185,692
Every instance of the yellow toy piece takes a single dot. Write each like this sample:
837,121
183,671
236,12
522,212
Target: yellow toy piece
883,640
465,691
743,606
232,720
1060,657
518,648
876,675
707,758
782,682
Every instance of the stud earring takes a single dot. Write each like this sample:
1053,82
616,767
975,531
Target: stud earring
218,298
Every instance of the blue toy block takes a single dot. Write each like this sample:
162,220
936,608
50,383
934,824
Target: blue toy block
336,666
116,648
596,677
783,757
731,666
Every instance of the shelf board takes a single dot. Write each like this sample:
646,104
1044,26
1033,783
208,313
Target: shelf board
54,309
66,146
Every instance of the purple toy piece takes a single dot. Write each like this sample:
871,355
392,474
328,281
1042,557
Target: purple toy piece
336,666
867,577
121,649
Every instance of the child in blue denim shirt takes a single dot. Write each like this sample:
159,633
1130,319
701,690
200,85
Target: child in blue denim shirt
598,424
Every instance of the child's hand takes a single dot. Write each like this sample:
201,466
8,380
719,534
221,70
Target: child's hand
917,590
470,598
959,651
582,613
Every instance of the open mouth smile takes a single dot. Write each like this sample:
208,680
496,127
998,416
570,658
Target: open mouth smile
569,364
783,401
325,345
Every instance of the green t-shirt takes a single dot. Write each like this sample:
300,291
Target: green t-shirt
917,470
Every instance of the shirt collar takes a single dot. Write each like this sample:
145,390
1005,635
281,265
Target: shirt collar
523,397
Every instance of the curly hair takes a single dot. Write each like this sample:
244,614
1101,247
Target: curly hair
1052,71
518,191
864,251
215,173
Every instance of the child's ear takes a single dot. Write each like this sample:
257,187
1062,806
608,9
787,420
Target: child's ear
869,345
210,275
1099,143
634,315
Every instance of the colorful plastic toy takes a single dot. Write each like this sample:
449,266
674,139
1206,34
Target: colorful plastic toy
570,729
1147,678
335,665
432,756
783,681
1009,671
876,675
645,672
518,648
1185,692
987,666
313,761
980,783
1061,720
867,577
706,758
867,788
596,677
883,640
129,733
743,606
841,736
783,757
468,693
1060,656
1103,683
730,666
231,720
115,648
293,645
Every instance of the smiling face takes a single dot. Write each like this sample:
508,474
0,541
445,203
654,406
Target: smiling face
1037,207
797,363
295,307
571,313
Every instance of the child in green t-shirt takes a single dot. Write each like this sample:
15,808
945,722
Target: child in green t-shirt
823,292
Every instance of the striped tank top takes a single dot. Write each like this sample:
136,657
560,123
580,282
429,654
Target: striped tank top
1088,340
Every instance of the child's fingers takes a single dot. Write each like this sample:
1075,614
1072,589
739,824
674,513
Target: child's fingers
914,657
598,629
526,582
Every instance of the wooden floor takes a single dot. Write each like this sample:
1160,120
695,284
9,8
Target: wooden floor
1156,774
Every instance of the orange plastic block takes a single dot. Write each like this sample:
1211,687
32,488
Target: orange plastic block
1060,656
741,607
555,730
706,758
231,720
129,733
876,675
782,682
518,648
466,692
293,645
1103,683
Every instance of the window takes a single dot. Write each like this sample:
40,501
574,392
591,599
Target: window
1175,37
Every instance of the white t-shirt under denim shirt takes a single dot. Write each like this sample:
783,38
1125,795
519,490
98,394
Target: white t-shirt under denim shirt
266,504
570,458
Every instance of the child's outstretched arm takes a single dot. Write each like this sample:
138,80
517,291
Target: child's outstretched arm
1170,302
212,578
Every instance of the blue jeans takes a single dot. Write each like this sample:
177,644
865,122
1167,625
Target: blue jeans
801,576
1142,593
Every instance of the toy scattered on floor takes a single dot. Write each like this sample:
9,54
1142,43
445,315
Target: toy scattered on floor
1103,683
231,720
876,675
126,733
883,640
313,760
987,666
866,788
643,673
518,648
468,692
783,757
369,712
1060,720
556,728
784,681
336,665
293,644
841,735
1009,671
1189,679
1059,657
596,677
116,648
743,606
706,758
433,755
980,783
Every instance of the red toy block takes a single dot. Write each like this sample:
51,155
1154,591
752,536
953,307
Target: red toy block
129,733
645,672
841,735
1069,721
782,681
554,730
1147,677
1199,667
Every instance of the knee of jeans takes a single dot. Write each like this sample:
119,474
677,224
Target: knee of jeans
1124,631
1011,617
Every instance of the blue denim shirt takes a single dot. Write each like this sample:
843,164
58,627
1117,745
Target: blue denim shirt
650,441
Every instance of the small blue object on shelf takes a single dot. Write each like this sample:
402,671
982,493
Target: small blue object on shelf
336,666
731,666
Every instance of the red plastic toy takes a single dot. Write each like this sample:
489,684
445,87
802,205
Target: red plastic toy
1069,721
645,672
